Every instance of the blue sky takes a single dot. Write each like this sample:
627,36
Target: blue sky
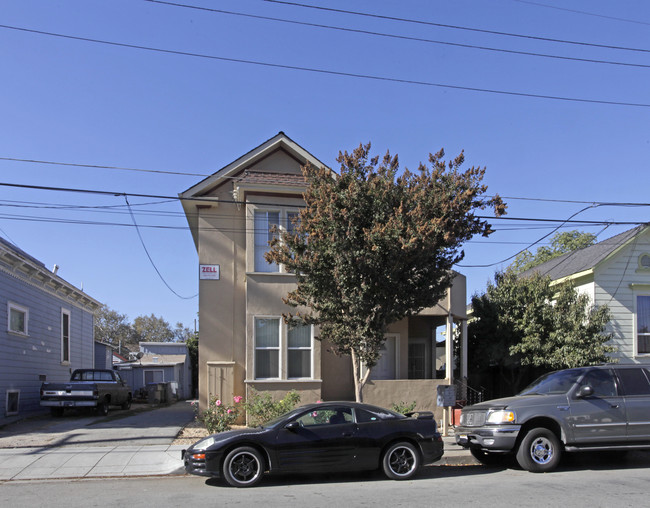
66,99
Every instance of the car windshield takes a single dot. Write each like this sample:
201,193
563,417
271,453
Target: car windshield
553,383
285,417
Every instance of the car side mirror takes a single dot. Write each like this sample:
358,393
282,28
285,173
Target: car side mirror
294,425
585,391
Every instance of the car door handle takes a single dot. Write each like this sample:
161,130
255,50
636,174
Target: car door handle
348,434
614,406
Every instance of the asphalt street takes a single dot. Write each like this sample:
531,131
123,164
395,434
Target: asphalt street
592,484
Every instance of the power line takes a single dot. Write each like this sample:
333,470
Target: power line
520,198
575,11
458,27
95,166
267,204
331,72
548,200
567,221
402,37
144,246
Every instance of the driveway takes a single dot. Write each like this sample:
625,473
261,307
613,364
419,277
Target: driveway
141,425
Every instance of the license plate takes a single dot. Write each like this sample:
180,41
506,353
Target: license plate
67,404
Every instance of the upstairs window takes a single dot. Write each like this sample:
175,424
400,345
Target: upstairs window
65,336
18,318
643,324
264,222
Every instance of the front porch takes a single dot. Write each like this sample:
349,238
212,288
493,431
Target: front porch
423,352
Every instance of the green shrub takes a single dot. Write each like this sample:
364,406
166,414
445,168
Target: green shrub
218,417
403,407
261,408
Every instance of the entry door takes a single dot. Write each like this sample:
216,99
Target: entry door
387,366
419,359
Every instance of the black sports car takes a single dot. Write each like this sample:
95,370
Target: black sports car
328,436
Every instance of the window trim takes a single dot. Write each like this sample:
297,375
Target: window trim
266,211
283,352
66,360
8,395
641,268
277,348
283,225
20,308
144,375
302,348
635,324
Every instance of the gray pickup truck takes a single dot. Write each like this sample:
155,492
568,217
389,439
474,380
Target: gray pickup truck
92,388
605,407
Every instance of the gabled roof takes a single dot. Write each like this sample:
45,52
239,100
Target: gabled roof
17,262
584,261
243,177
278,142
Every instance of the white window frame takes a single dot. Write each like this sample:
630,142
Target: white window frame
8,393
310,348
25,311
635,331
277,348
272,268
66,350
283,225
282,351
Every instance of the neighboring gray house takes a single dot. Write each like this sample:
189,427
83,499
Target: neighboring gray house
616,273
161,362
46,329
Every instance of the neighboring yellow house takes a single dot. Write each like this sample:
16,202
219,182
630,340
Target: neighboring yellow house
244,343
614,272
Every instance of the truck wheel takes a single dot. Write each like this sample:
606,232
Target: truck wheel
127,404
102,407
539,451
56,411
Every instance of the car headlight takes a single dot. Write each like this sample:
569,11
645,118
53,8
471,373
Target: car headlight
204,444
501,416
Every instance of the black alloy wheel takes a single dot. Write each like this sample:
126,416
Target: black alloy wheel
401,461
243,467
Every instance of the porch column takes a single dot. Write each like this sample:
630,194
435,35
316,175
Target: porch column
449,350
463,350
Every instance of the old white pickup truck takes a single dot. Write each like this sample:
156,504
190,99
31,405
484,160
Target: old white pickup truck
92,388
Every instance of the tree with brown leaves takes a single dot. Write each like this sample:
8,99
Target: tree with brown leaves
374,245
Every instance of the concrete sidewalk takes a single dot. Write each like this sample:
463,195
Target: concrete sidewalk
121,461
92,462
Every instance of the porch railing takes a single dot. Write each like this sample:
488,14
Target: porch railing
468,394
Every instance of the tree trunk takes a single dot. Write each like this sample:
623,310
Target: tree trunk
359,382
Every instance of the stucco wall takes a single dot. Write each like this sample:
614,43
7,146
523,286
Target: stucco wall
384,393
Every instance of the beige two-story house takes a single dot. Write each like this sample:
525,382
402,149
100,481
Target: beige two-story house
244,343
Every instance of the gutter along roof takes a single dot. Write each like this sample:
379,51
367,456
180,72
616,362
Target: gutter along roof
584,261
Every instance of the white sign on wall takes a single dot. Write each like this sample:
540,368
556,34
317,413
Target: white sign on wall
208,272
